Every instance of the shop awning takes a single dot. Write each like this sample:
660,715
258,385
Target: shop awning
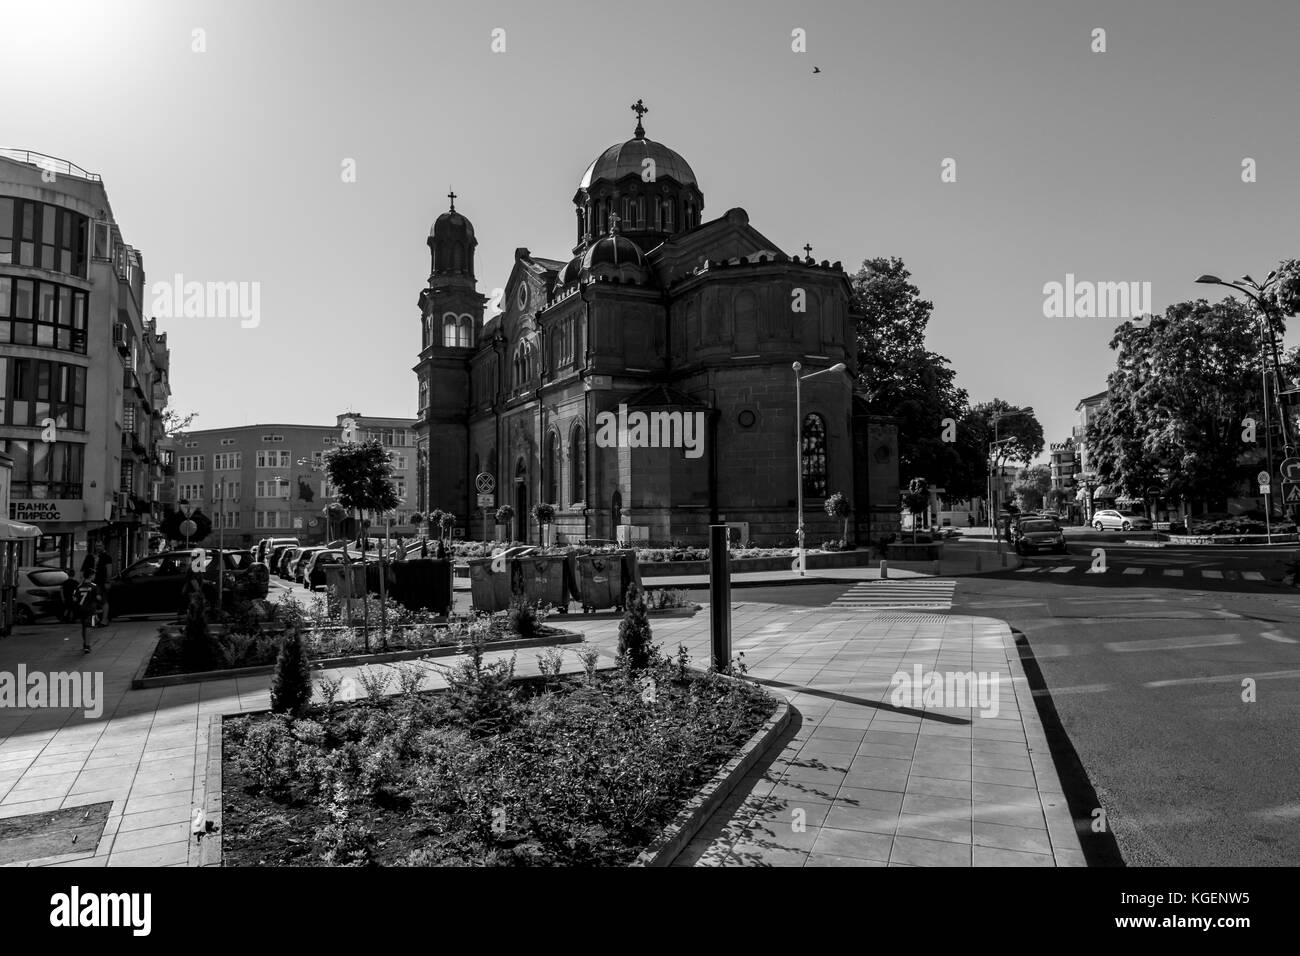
1103,491
17,531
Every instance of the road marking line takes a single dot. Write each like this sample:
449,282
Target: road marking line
1174,643
1173,572
1063,569
1135,570
1029,570
1275,636
1252,575
1234,678
1212,574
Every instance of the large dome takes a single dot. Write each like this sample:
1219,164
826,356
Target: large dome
625,159
451,225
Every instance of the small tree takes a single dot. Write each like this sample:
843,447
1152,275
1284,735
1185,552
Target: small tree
505,515
837,506
916,499
291,683
196,643
634,631
363,474
543,514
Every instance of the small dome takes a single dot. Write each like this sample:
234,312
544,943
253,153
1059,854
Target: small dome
613,250
625,159
569,274
452,225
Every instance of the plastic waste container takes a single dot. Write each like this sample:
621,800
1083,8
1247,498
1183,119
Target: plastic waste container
547,579
422,584
601,583
491,590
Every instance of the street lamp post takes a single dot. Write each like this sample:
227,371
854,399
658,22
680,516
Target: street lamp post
798,448
1255,292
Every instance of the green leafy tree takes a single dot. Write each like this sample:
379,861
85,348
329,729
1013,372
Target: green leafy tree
916,499
898,375
1182,387
837,506
362,473
1032,486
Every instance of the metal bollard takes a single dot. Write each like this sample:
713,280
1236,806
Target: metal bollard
884,570
720,595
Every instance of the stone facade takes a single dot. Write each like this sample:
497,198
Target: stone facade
691,326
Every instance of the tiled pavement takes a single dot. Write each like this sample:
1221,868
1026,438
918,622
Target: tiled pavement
876,785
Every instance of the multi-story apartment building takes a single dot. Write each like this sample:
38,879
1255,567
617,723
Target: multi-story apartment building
83,373
258,481
398,437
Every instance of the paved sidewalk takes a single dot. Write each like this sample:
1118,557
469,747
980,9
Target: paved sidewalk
876,784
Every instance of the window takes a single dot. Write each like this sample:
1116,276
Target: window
230,519
273,459
228,461
227,441
552,491
424,395
578,465
33,390
225,490
190,492
273,489
399,462
272,519
189,463
128,477
128,416
43,235
400,487
45,470
814,457
42,313
103,240
273,438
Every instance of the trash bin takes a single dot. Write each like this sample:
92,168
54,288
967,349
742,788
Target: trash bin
547,579
422,584
601,583
491,590
336,577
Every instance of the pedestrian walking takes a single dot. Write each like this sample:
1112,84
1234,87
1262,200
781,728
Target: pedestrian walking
97,566
89,603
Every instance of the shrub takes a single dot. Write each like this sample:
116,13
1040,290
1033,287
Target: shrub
198,649
524,619
634,631
480,697
291,683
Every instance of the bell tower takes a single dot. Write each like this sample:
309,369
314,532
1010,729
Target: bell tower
451,317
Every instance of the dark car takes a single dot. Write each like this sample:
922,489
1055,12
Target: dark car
285,568
1033,534
277,558
153,585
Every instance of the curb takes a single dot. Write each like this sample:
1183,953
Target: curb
692,817
140,682
206,850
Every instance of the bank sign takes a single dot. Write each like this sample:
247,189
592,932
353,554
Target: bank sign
46,510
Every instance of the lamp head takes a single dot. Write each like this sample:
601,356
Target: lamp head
1209,280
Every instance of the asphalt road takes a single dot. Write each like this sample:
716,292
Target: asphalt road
1146,675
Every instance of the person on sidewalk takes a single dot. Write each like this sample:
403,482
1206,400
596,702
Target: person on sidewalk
89,603
97,565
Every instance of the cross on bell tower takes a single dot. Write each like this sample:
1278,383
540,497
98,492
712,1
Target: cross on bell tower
640,109
807,251
452,197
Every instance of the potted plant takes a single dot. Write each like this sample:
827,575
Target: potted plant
837,506
505,515
544,515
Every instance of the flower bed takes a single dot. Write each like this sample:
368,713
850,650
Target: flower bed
583,770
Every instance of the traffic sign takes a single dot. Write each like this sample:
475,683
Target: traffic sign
487,501
485,483
1262,477
1265,489
1291,492
1290,469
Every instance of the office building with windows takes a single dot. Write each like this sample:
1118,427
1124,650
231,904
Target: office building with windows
83,374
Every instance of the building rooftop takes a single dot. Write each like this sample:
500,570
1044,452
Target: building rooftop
52,163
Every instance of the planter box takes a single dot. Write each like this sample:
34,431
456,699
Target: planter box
820,559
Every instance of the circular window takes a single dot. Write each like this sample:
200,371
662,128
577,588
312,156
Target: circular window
746,419
883,452
521,297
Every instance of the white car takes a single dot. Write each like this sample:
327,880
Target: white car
1117,520
40,592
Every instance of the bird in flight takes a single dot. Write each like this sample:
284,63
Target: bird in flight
817,69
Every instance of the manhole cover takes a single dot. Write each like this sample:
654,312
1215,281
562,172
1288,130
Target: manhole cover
35,836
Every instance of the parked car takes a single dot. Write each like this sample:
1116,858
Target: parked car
1033,533
314,572
284,569
40,592
1111,520
153,585
300,562
276,554
266,547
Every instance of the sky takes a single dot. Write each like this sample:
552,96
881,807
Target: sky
227,164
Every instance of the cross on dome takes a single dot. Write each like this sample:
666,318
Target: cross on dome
452,197
640,109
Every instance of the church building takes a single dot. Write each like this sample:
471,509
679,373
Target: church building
645,380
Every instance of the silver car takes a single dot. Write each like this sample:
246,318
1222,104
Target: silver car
1111,520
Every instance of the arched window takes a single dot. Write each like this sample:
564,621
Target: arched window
668,215
578,465
553,469
465,338
813,464
449,331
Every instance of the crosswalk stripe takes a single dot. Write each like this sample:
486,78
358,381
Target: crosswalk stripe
1173,572
1252,575
1135,570
1063,569
1213,574
903,594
